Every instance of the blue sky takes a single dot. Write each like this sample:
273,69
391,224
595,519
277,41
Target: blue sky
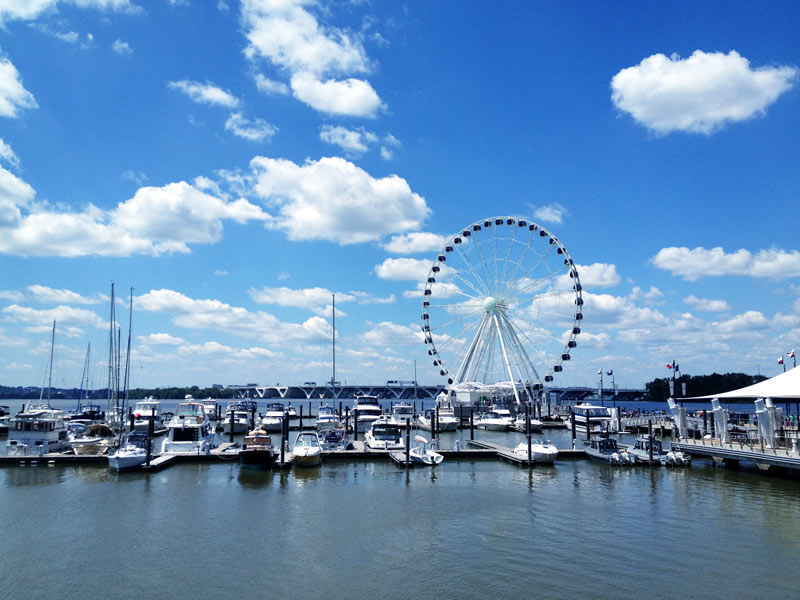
238,162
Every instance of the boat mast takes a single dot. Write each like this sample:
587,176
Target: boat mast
50,376
128,354
333,378
84,376
112,396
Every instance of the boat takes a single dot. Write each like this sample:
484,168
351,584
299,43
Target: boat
83,441
4,425
641,451
599,418
272,420
189,431
493,421
605,449
423,454
327,418
334,438
37,430
307,451
131,454
385,434
257,449
212,408
240,416
142,412
447,419
88,414
541,451
402,411
520,425
369,411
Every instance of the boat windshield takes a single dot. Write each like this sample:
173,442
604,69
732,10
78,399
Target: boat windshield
307,440
191,410
386,432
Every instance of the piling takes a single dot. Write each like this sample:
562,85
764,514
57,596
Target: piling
130,418
346,418
230,435
408,440
301,417
528,428
650,437
572,423
471,423
150,431
435,423
355,424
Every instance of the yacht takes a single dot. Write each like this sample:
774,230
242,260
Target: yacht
605,449
641,451
212,408
257,449
493,421
88,414
599,418
273,419
306,450
385,434
402,411
189,431
541,451
131,454
334,438
36,431
423,454
519,424
327,418
83,441
142,412
447,419
240,417
369,410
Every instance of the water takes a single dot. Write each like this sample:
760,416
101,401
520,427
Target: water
371,530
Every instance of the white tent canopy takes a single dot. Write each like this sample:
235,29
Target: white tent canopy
785,386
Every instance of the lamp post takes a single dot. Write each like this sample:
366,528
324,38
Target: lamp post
600,372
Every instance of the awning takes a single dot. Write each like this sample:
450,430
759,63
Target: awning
785,386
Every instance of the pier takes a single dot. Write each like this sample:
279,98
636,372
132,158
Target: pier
741,451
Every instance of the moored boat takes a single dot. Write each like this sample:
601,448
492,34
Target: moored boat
493,421
257,449
142,412
307,451
369,410
385,434
131,454
541,451
605,450
596,418
327,418
272,420
189,431
36,431
423,453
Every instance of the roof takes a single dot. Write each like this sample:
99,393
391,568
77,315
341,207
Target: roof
783,386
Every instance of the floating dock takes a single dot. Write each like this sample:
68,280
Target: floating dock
735,452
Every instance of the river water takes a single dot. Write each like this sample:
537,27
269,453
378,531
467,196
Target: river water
368,529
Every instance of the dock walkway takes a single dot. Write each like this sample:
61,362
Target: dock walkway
735,452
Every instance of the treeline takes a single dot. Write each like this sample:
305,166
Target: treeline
169,393
699,385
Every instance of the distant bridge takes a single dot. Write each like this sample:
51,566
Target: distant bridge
405,390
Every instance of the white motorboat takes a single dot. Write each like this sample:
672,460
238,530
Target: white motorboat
606,450
447,419
88,414
272,420
131,454
327,418
385,434
84,442
334,438
519,424
493,421
36,431
423,454
189,431
240,418
641,450
212,408
599,418
541,451
402,411
369,410
142,412
307,451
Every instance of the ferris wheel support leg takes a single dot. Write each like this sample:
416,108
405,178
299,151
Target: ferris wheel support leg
470,352
505,356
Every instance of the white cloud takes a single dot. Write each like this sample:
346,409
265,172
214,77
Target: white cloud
121,47
308,298
353,141
48,295
698,94
332,199
751,320
291,38
415,243
703,262
595,275
386,333
651,296
64,316
205,93
138,178
154,221
257,130
550,213
7,154
404,269
270,86
706,305
13,96
14,195
161,339
12,295
31,9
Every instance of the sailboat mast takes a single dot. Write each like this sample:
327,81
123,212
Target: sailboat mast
111,352
128,354
50,375
84,376
333,378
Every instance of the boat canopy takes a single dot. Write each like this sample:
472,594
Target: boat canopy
785,386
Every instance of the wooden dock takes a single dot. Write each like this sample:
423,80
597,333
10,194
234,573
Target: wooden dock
509,455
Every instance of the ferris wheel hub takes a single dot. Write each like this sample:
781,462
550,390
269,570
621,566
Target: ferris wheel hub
490,304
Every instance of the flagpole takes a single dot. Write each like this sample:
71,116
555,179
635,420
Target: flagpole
602,403
614,387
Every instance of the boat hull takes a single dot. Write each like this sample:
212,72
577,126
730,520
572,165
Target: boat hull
126,460
307,459
261,458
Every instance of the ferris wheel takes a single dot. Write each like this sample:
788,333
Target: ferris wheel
502,306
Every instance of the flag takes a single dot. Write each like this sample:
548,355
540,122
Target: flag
790,354
780,360
676,367
669,366
600,372
610,373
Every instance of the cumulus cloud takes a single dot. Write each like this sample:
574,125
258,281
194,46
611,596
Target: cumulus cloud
698,94
205,93
550,213
13,95
403,269
154,221
650,296
257,130
300,298
48,295
31,9
415,243
387,333
333,199
15,194
691,265
706,305
270,86
594,276
65,316
7,154
161,339
121,47
290,38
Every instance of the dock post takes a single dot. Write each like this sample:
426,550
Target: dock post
284,435
705,422
528,428
230,435
355,424
435,427
150,431
408,440
471,424
301,417
340,408
572,422
130,419
650,437
415,409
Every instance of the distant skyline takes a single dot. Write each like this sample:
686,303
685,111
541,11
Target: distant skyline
238,163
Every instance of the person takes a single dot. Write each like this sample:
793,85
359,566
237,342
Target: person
457,446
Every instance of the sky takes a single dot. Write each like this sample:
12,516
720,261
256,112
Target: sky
238,163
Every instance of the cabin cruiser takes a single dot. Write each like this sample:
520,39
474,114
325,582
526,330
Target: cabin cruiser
142,412
520,425
605,449
240,416
273,419
88,414
493,421
402,411
131,454
369,410
327,418
599,418
36,431
424,454
257,449
385,434
189,431
83,441
306,450
334,438
447,419
541,451
212,408
641,451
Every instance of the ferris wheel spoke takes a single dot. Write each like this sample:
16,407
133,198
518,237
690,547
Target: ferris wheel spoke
521,261
539,329
510,245
473,271
457,273
535,284
482,260
542,260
